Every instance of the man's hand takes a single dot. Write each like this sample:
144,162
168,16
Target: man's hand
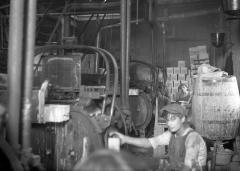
118,135
139,142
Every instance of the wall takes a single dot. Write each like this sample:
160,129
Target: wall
182,33
235,31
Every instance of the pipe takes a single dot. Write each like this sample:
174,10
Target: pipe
100,6
128,40
98,41
66,26
29,55
188,15
56,25
14,70
172,2
115,86
123,30
119,24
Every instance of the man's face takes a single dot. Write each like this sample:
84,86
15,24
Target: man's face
174,122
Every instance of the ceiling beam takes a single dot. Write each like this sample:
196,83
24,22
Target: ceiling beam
167,2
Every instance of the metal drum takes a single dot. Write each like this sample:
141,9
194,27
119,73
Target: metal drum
60,145
141,109
216,107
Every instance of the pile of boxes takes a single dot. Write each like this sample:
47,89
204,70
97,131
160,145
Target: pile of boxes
176,76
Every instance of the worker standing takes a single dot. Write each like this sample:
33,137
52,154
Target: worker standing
187,149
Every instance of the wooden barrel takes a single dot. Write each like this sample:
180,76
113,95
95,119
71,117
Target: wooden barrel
216,107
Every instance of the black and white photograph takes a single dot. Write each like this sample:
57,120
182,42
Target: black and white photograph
119,85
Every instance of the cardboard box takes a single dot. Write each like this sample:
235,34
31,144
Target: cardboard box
181,63
181,76
169,70
169,89
169,76
174,90
169,83
176,70
176,84
183,70
193,58
174,77
184,82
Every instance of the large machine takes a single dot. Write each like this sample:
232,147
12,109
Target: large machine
70,103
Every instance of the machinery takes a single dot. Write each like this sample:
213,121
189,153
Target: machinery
70,103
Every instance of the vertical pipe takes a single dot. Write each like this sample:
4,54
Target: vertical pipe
66,26
28,74
123,52
164,42
128,40
98,40
14,70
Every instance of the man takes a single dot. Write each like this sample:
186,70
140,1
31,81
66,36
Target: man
187,149
183,93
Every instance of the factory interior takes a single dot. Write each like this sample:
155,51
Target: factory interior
119,85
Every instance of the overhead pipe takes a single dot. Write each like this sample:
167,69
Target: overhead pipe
99,6
14,70
28,72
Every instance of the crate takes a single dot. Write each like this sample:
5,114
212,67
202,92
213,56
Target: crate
183,70
169,70
181,63
181,77
169,76
176,84
174,77
176,70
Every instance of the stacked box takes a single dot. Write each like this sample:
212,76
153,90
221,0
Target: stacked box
169,76
169,89
183,70
178,75
174,77
169,70
184,82
174,90
176,70
181,76
169,83
181,64
176,84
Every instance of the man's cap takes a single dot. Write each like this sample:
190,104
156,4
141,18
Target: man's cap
173,109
